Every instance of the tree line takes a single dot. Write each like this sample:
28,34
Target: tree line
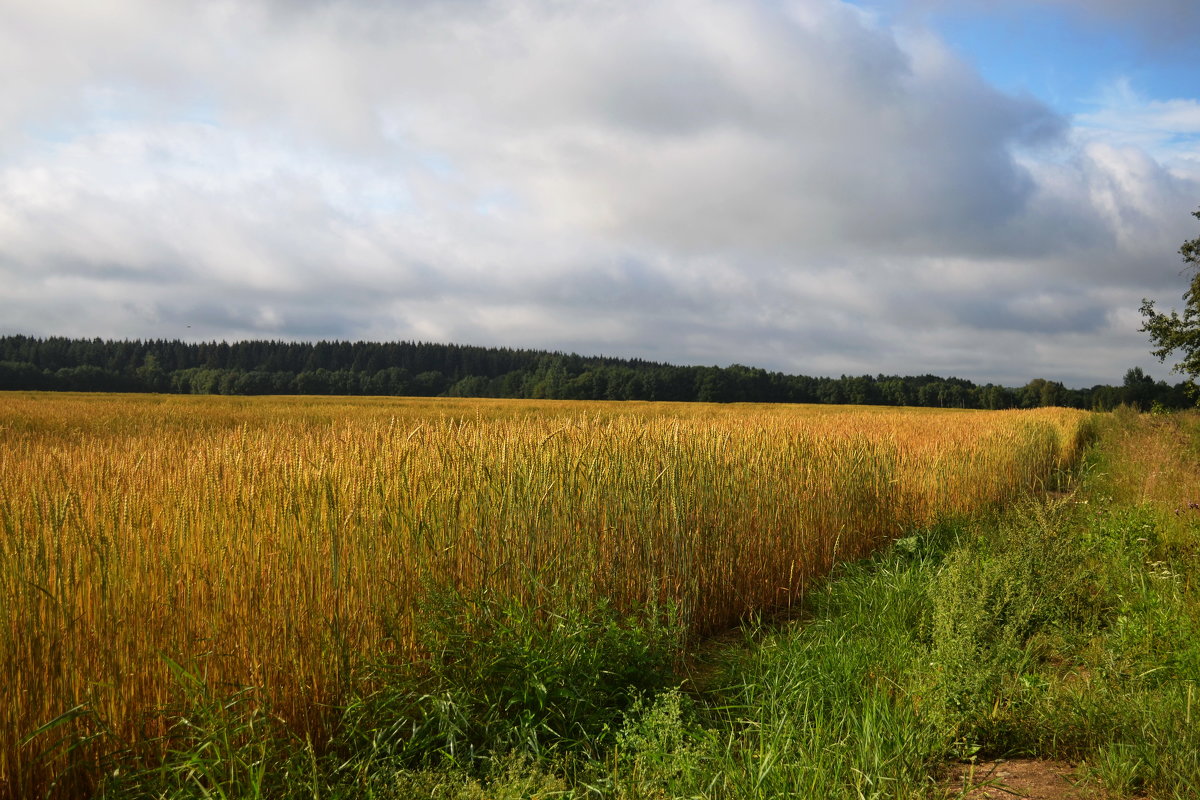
426,369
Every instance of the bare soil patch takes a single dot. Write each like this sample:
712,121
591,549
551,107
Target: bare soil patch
1034,779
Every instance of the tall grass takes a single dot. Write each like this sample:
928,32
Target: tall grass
280,544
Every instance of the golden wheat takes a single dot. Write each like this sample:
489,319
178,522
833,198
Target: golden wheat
275,542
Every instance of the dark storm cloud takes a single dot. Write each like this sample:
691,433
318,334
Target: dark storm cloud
1162,22
1045,314
209,319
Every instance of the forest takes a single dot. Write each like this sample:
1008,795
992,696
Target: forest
423,369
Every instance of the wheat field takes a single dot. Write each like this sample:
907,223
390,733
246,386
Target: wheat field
277,543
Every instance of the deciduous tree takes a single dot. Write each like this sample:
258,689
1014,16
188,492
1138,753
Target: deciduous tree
1180,333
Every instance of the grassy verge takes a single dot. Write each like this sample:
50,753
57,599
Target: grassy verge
1064,628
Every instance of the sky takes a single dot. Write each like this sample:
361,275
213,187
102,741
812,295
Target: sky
958,187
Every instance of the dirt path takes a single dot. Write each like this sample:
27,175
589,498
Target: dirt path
1026,778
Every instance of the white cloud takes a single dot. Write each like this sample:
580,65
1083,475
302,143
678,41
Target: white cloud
791,184
1167,130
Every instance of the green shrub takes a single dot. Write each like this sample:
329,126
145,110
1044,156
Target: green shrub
1003,605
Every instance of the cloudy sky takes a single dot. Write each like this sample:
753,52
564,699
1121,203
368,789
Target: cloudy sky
962,187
